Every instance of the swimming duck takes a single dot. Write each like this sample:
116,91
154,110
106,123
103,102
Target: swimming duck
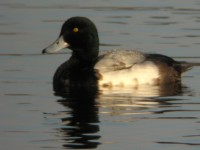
86,67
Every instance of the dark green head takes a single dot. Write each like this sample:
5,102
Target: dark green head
80,35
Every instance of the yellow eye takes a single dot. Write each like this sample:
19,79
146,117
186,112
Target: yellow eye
75,29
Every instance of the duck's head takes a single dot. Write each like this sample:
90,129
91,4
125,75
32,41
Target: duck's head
80,35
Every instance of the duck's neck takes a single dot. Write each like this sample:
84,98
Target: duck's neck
86,55
84,59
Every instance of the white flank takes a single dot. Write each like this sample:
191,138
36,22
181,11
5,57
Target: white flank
143,73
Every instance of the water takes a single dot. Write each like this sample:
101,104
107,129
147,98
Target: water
32,117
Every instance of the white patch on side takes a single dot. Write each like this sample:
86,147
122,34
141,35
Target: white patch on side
144,73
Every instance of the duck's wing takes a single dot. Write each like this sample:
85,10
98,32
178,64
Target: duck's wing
118,60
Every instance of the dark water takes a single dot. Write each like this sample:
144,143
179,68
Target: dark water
152,118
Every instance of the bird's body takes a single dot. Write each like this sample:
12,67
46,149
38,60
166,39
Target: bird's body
112,68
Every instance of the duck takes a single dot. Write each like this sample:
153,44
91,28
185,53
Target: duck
87,67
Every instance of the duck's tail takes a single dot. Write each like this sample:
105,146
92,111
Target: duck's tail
185,66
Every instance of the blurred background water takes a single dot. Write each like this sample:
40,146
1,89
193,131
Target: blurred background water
32,117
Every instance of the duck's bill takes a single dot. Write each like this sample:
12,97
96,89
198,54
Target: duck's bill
56,46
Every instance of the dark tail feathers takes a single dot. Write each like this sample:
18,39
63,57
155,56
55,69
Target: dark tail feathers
185,66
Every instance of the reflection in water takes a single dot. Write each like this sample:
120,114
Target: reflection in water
146,90
132,101
85,104
81,125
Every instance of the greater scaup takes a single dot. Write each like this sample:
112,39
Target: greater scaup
117,67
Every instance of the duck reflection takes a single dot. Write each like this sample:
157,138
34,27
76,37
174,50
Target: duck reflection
146,90
86,104
81,126
118,101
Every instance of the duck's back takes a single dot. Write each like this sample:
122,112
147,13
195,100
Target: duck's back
118,59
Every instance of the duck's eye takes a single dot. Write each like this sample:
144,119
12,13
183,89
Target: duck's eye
75,29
